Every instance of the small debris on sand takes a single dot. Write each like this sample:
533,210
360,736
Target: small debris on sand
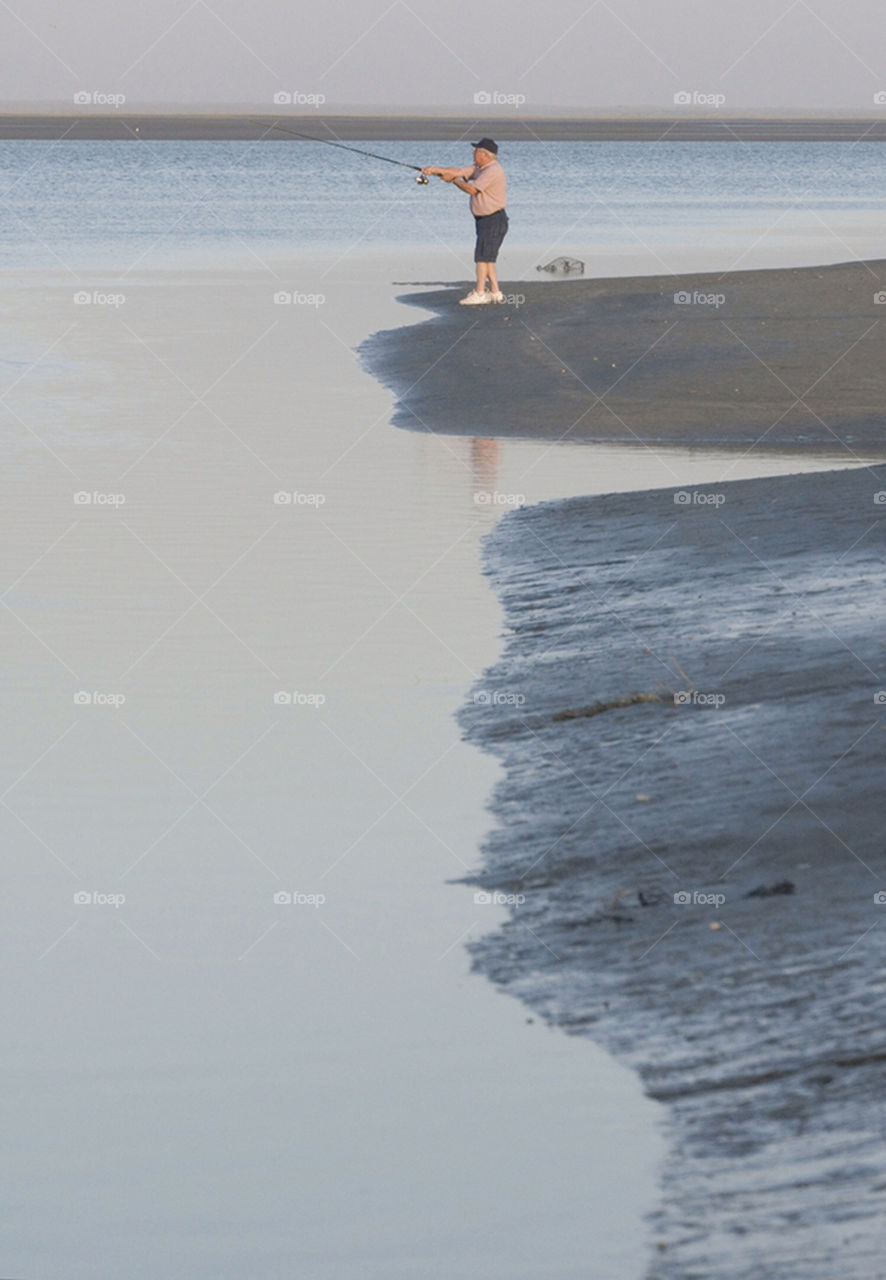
768,890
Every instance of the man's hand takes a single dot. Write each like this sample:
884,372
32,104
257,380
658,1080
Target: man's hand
448,175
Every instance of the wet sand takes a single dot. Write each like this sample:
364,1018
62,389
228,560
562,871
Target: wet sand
689,709
787,358
692,809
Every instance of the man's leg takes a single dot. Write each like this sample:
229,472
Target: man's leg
478,293
501,230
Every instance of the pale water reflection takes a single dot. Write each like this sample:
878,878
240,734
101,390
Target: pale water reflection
209,1079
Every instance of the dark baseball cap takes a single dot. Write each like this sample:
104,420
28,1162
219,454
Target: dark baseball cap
487,144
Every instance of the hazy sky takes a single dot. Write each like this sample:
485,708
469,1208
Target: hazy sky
755,54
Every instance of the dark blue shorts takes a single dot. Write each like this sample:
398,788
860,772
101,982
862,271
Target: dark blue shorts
491,230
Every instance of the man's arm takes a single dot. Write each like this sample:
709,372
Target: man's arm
458,176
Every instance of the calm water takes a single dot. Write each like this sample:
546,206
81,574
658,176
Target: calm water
79,204
204,1083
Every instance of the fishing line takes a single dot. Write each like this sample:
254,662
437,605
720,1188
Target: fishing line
422,178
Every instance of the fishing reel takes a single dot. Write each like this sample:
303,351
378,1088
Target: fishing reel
422,179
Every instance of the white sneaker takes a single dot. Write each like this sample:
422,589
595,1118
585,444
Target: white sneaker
474,299
496,297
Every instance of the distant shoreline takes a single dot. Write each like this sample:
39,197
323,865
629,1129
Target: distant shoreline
128,125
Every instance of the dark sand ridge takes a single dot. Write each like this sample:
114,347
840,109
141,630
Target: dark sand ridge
509,125
789,357
758,1021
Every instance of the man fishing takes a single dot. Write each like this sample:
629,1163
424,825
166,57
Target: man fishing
484,181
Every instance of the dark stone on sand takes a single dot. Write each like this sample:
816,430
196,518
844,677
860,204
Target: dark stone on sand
563,267
770,890
597,708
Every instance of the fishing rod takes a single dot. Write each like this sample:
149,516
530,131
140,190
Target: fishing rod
422,178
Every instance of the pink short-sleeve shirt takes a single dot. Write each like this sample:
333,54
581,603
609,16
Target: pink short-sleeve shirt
492,194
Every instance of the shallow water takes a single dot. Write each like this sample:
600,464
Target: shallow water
214,697
238,1084
205,1081
669,206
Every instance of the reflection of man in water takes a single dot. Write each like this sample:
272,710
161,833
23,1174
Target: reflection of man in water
485,460
484,181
